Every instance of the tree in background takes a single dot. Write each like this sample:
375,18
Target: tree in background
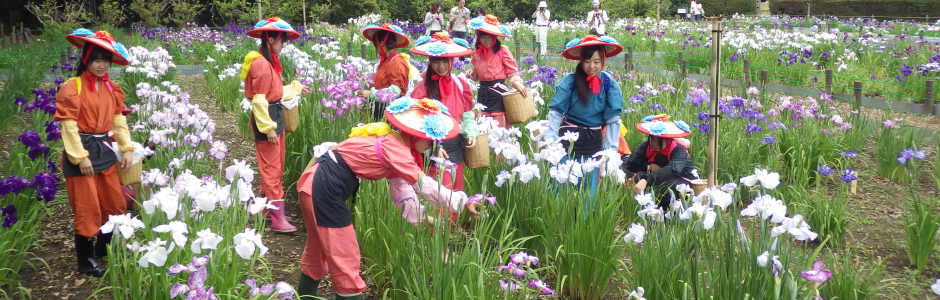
150,12
49,12
113,12
729,7
233,11
339,11
184,11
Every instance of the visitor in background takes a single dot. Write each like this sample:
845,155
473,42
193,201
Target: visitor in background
459,17
542,17
696,10
433,19
597,19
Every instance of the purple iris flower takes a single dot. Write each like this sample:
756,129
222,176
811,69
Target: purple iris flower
909,154
752,128
825,170
848,154
768,140
702,115
657,106
9,215
53,132
817,274
848,175
528,60
20,101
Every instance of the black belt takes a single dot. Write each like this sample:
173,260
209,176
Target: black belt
276,112
333,183
489,97
590,140
100,153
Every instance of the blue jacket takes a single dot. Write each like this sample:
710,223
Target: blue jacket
602,109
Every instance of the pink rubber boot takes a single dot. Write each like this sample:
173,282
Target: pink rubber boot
279,221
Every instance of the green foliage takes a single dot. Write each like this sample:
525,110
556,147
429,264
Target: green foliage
183,11
149,12
233,11
728,7
921,227
113,12
339,11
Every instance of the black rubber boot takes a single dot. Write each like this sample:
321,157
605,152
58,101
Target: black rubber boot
87,263
353,297
307,288
101,244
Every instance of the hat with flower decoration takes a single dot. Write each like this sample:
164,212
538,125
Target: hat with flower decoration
573,48
102,39
401,39
489,24
422,118
274,24
441,44
661,126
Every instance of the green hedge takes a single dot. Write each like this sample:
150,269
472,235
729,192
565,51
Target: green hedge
892,8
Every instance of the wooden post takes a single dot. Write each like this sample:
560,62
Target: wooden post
747,73
538,53
515,40
858,96
628,59
653,47
829,82
349,44
715,93
259,11
763,79
362,51
928,96
683,68
303,4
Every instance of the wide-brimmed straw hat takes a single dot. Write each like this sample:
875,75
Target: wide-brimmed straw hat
661,126
573,48
425,119
440,44
489,24
273,24
102,39
401,39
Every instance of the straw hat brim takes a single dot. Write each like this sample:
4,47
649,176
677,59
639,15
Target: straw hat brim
574,52
80,41
401,39
257,32
411,121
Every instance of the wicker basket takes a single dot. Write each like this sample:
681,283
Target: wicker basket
479,155
292,119
698,185
131,175
518,109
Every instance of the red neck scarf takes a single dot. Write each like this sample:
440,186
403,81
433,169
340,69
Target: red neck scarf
483,50
594,82
444,85
92,79
275,62
668,146
383,53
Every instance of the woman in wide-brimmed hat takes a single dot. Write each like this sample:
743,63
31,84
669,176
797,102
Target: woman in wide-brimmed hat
662,161
372,152
261,73
89,106
393,72
493,64
454,92
588,102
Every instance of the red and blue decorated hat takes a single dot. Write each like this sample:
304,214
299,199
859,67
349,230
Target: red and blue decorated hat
102,39
573,48
489,24
441,45
426,119
661,126
274,24
401,39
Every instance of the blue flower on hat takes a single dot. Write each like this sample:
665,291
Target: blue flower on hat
433,127
283,25
437,49
648,118
120,49
505,30
682,125
261,23
657,128
423,39
462,42
572,43
476,23
397,29
83,32
399,105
